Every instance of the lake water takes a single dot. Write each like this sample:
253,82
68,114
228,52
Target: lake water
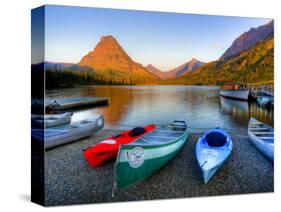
200,106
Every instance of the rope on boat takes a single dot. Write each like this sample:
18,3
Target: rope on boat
203,164
113,189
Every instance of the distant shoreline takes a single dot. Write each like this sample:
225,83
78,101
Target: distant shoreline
155,85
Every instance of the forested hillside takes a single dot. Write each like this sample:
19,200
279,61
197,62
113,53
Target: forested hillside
253,65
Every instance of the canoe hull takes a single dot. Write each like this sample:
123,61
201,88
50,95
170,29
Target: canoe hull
129,176
267,149
235,94
136,163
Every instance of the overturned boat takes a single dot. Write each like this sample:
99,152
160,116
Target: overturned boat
51,120
56,136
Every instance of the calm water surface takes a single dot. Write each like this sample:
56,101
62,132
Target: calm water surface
200,106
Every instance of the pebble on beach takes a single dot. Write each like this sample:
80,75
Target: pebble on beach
70,180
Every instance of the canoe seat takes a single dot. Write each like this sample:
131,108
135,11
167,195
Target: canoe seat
264,133
136,131
267,138
215,139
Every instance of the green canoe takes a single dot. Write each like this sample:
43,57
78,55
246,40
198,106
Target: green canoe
143,157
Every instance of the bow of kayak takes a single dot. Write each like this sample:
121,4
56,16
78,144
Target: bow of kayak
212,150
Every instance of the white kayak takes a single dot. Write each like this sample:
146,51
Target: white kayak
51,120
262,137
212,150
64,134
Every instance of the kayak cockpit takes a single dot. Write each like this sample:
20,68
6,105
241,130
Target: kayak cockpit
137,131
215,139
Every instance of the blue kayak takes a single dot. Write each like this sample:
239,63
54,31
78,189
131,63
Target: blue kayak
212,150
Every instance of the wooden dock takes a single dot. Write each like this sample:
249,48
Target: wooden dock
261,90
75,103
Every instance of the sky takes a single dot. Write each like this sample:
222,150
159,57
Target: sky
163,39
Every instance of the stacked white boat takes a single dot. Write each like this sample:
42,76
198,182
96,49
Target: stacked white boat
56,129
51,120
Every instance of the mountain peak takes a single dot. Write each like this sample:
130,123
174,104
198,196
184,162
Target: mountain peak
150,66
155,71
193,60
186,68
108,38
248,39
111,61
107,54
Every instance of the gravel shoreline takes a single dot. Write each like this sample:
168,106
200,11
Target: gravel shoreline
70,180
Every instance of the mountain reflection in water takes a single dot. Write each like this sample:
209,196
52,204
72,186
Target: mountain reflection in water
200,106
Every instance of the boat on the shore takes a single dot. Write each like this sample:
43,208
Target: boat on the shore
212,150
262,137
108,149
51,120
56,136
234,91
140,159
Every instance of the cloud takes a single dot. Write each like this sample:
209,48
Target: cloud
218,46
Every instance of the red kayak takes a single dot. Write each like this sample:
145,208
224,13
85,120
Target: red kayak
108,149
